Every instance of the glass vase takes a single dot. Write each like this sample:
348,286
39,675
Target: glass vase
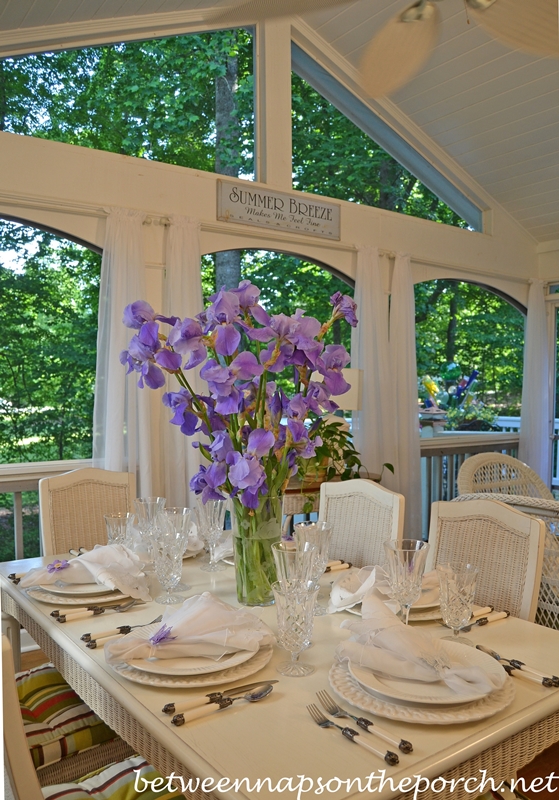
254,533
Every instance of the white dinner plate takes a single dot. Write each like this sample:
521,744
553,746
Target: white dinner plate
429,615
241,671
346,687
75,600
429,694
74,589
184,666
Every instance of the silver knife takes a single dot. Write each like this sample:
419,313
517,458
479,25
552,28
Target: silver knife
212,697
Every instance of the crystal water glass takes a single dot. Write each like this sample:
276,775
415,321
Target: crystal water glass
319,534
179,519
294,563
148,509
406,564
295,615
210,517
118,527
457,589
168,546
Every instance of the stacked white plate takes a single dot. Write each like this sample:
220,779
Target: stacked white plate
75,594
420,702
191,672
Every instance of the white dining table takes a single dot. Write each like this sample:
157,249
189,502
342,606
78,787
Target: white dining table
276,739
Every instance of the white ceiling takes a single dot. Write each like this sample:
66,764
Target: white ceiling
493,110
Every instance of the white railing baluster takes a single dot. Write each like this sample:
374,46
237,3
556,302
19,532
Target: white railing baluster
18,525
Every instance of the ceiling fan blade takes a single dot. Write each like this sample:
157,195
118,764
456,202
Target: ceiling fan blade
256,10
398,52
530,25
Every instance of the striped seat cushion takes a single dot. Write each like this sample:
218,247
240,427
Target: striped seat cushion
123,781
57,722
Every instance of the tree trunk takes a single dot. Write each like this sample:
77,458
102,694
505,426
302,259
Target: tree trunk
227,160
451,330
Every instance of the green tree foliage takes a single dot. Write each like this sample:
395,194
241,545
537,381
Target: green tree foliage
333,157
48,305
465,323
153,99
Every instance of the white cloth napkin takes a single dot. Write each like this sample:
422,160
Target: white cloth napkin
353,585
385,645
224,548
203,626
111,565
195,544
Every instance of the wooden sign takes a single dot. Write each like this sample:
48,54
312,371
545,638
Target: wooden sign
247,204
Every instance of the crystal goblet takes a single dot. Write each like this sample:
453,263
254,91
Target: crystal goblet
118,527
179,519
319,534
458,585
168,547
294,563
210,517
406,565
295,609
148,509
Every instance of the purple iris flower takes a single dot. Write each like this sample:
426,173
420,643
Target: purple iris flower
230,403
330,365
181,403
151,375
260,442
300,441
298,407
137,313
318,399
57,565
221,314
221,446
247,294
207,481
162,635
186,338
220,379
245,471
307,349
277,362
344,307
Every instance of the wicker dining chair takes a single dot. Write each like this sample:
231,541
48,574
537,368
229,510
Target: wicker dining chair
363,515
506,545
118,778
497,473
548,510
72,505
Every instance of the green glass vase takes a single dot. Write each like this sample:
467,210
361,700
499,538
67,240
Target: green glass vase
254,533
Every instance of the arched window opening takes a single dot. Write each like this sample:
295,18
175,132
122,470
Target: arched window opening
470,345
49,294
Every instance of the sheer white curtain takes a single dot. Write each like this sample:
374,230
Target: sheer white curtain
121,418
369,352
182,298
536,406
402,388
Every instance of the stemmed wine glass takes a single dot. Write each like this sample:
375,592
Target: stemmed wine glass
294,607
406,565
168,547
458,586
118,527
319,534
210,517
179,520
148,509
294,564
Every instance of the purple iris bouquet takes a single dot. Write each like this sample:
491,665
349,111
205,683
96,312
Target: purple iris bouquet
256,436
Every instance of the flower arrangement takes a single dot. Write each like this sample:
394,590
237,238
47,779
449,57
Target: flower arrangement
257,436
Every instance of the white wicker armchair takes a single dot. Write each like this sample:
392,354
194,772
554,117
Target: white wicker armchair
547,510
506,545
71,507
497,473
363,515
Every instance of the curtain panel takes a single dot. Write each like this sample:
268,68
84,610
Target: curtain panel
121,414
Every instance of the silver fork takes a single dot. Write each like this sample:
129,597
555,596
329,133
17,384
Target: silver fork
332,708
318,717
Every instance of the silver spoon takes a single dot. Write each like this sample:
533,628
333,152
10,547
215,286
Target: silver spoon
224,702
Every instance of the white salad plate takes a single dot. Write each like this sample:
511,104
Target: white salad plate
346,687
254,664
74,589
184,666
430,694
75,600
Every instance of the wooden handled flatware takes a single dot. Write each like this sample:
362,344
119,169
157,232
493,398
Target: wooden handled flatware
94,611
212,697
339,567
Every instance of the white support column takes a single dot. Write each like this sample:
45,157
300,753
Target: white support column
272,70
